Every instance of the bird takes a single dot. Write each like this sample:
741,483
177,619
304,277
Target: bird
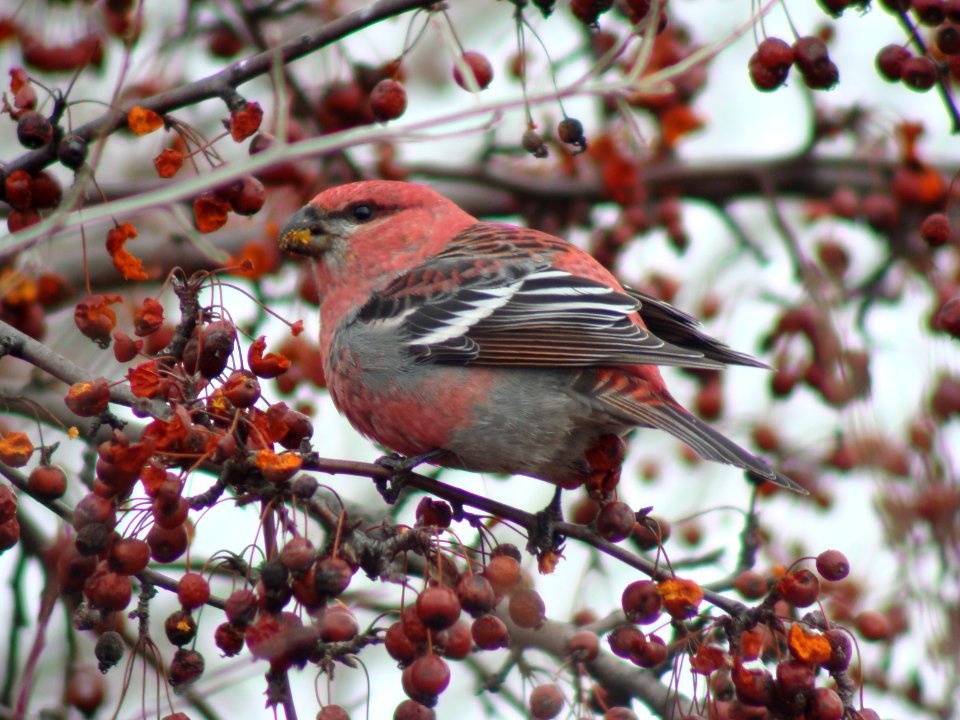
490,347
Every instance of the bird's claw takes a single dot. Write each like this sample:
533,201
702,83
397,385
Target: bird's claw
390,486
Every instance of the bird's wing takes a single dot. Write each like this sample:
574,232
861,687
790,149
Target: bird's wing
493,297
676,327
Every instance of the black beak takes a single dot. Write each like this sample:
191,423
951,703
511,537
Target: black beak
304,233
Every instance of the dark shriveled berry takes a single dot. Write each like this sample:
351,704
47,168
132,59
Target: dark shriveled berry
109,650
72,151
34,130
533,144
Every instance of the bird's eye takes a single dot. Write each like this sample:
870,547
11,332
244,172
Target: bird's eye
362,212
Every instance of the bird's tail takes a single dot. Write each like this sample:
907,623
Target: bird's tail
665,414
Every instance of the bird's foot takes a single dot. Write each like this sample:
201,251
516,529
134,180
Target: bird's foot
390,486
544,540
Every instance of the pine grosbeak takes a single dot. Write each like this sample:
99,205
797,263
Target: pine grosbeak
508,349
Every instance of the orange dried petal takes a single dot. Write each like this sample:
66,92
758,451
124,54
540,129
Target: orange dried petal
266,366
681,598
168,162
147,381
245,121
15,449
277,468
210,212
143,121
129,266
807,647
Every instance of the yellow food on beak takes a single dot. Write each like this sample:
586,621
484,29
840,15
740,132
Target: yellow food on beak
297,240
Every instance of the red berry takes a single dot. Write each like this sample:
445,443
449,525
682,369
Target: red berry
45,190
413,626
458,642
425,679
476,594
930,12
229,638
799,588
588,11
873,625
641,602
10,534
47,482
948,316
129,556
890,61
935,229
775,54
242,389
825,704
527,609
434,513
109,590
298,555
412,710
652,653
818,70
948,40
241,607
333,575
86,689
753,686
584,646
167,544
193,591
249,197
34,130
489,632
625,641
94,509
185,668
337,624
919,73
438,607
546,702
833,565
18,220
880,211
503,572
615,521
388,100
18,189
8,503
794,677
479,67
399,645
333,712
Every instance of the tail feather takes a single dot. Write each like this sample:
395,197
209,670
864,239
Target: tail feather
678,328
707,442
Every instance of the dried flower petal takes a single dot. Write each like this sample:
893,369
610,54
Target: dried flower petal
129,266
15,449
143,121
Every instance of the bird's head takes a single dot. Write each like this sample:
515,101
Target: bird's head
374,221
